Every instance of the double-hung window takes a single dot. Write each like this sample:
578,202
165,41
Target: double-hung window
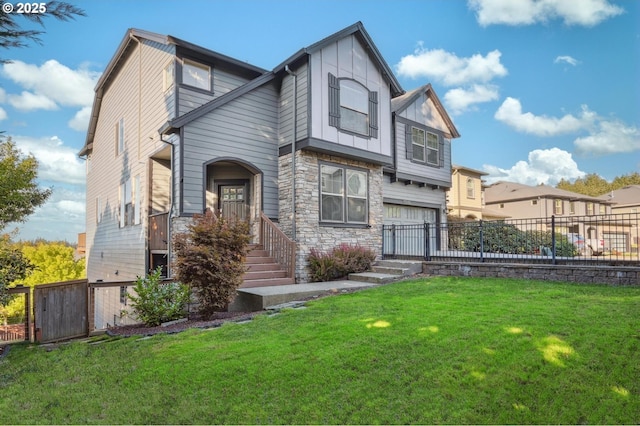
471,188
425,146
344,195
558,206
130,202
352,107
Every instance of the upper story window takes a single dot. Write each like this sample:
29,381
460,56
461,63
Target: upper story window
352,107
572,207
589,209
196,75
344,195
168,76
424,146
603,209
471,188
120,136
558,206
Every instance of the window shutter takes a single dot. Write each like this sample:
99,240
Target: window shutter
334,101
408,141
373,114
442,145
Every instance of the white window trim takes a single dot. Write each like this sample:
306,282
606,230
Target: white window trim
345,196
202,67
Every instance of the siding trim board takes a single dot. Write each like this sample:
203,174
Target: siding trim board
410,203
331,148
405,177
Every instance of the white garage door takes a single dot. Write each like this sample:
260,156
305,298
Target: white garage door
407,238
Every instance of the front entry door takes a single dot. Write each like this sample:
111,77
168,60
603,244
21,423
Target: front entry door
233,201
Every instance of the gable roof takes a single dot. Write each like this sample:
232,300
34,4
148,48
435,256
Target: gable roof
355,29
402,102
511,191
131,38
358,30
627,196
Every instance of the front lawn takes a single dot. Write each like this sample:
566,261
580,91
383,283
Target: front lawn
441,350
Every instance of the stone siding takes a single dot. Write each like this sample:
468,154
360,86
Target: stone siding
608,275
309,233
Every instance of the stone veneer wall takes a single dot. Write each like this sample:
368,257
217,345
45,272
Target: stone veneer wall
611,275
309,233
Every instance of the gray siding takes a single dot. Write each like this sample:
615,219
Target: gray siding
135,93
285,122
405,165
348,58
223,82
413,195
245,129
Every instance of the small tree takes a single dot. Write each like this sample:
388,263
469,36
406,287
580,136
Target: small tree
210,259
13,266
155,302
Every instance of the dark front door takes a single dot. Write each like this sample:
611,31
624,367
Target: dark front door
233,201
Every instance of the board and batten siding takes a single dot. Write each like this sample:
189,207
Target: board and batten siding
135,93
424,112
347,58
286,122
245,128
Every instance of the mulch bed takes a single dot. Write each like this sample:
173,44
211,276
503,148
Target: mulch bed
216,320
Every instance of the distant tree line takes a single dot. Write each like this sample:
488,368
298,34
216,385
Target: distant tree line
594,186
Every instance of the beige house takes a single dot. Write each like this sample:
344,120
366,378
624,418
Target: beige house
626,201
465,198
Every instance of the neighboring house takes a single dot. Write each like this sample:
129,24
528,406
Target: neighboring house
465,199
626,201
577,214
177,129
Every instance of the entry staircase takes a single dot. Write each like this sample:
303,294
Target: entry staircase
263,270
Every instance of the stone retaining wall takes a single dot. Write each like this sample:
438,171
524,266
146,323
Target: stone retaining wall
608,275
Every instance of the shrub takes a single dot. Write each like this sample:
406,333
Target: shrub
210,258
155,302
341,261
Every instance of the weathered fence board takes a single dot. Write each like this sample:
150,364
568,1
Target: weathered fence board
60,310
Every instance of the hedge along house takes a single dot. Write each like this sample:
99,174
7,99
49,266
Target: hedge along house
327,146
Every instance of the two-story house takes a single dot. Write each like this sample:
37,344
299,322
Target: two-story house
326,146
578,214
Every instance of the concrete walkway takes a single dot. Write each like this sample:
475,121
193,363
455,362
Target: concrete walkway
260,298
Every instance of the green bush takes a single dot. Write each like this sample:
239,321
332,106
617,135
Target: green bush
341,261
155,302
210,258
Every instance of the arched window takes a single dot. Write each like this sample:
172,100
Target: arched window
352,107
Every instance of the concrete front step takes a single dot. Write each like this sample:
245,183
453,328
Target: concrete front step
413,267
257,299
374,277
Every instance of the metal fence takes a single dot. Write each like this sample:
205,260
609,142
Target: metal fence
594,239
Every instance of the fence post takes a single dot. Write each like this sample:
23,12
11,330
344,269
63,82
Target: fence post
427,245
553,239
481,242
393,239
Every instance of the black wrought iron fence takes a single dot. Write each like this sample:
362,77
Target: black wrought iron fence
595,239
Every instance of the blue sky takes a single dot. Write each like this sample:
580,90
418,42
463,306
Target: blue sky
540,90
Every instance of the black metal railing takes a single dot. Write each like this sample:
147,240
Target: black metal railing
593,239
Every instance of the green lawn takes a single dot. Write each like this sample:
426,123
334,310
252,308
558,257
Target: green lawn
441,350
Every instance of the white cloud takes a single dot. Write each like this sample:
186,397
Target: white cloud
56,162
510,113
527,12
546,166
27,101
58,83
80,121
567,60
3,114
610,137
460,100
66,209
449,69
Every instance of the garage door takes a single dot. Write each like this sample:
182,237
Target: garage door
406,238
